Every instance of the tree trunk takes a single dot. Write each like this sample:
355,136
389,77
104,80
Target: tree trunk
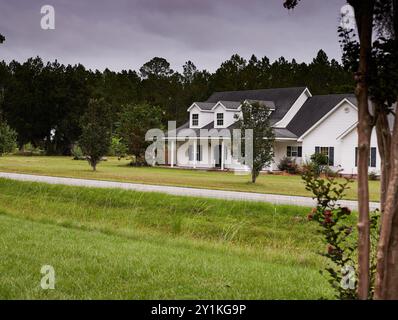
387,252
254,176
364,18
384,143
364,135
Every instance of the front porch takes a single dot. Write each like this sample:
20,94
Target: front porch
197,153
216,154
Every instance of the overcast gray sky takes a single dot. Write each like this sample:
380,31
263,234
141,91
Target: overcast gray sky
124,34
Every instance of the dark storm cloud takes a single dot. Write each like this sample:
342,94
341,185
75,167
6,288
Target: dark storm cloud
122,34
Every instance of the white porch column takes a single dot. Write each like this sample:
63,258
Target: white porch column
172,153
222,155
195,146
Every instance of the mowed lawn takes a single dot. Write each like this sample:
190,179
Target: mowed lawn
120,244
115,170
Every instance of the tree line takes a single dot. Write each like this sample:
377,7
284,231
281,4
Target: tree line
44,101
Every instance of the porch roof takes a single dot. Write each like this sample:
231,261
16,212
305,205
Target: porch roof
280,133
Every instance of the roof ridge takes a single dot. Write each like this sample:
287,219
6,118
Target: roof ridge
248,90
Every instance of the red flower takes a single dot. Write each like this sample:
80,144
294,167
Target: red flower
328,220
330,249
310,217
328,213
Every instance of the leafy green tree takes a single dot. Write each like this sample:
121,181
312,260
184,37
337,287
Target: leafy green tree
96,134
256,117
135,121
230,75
157,67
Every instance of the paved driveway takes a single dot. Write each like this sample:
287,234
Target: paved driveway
180,191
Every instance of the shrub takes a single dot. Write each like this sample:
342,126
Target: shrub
288,165
77,153
28,150
337,230
320,159
318,163
8,139
118,148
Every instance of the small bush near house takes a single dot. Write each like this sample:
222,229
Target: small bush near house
318,164
288,165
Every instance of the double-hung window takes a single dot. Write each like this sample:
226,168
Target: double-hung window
294,152
372,157
195,119
220,119
327,151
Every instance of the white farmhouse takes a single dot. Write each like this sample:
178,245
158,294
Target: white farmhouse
303,124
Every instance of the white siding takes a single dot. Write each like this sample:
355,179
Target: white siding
349,144
229,116
204,117
326,134
280,152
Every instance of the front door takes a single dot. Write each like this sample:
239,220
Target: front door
217,155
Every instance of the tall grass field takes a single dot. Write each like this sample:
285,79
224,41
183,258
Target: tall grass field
116,244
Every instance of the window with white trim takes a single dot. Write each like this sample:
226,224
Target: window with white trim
372,157
220,119
294,152
327,151
195,119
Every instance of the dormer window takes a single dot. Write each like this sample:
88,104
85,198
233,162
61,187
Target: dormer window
220,119
195,120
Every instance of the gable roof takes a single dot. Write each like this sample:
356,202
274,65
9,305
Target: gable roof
230,104
314,109
282,98
204,105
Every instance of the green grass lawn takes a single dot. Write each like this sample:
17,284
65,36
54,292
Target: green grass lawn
115,170
130,245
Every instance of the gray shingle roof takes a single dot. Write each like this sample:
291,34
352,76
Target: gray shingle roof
231,104
284,133
269,104
279,132
314,109
205,105
283,98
